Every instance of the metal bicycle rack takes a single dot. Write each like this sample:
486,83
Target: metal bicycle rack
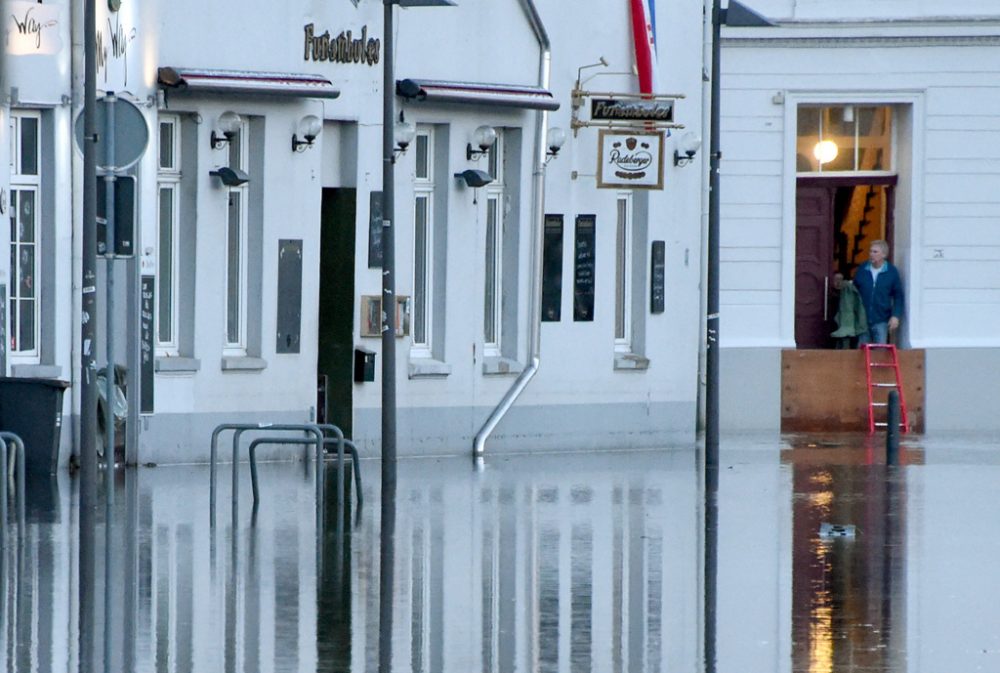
348,444
318,439
20,489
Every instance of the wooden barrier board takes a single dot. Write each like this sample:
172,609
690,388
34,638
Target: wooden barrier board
824,390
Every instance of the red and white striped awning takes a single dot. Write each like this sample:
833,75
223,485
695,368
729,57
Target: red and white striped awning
199,80
477,93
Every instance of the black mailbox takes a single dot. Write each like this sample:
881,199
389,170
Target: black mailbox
364,365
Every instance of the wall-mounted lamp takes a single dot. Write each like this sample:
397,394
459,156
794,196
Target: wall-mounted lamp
310,127
403,133
688,146
228,124
484,137
230,177
473,177
557,137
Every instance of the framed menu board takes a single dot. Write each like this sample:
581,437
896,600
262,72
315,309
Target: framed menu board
583,268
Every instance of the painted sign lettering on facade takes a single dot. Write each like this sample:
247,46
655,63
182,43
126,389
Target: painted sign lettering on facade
630,159
32,28
344,48
114,41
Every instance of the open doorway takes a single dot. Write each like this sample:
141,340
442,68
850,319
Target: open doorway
836,221
336,309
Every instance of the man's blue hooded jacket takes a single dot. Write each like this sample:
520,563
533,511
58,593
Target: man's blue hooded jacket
882,298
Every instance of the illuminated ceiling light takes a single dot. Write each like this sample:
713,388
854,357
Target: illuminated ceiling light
825,151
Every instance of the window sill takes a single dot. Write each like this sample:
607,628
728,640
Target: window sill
428,368
501,366
176,364
631,362
35,371
243,363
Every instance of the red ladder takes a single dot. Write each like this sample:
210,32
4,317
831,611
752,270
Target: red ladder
873,361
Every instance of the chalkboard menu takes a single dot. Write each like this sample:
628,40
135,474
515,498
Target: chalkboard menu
147,354
375,230
657,277
552,263
583,269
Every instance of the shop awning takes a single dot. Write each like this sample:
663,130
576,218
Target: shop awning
477,93
197,80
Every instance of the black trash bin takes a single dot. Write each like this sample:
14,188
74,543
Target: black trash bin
32,409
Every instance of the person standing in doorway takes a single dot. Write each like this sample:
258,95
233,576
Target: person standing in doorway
881,292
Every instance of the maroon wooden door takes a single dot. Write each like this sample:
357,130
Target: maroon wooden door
813,266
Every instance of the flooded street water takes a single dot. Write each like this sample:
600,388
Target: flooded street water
575,563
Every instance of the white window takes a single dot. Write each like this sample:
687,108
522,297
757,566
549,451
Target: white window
168,182
493,292
25,228
623,272
236,250
423,267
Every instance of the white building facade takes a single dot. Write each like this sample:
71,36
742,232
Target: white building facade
909,92
256,278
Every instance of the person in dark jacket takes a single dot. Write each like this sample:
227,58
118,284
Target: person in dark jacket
881,292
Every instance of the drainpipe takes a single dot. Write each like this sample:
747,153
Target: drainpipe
538,218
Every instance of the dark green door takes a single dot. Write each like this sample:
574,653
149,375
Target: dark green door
336,306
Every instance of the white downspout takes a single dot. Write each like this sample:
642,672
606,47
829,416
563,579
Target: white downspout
538,218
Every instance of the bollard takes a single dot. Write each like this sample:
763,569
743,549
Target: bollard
892,430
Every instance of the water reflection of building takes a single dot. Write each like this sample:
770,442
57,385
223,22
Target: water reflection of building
849,593
556,569
546,573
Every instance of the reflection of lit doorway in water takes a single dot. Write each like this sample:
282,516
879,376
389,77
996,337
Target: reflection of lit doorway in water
836,220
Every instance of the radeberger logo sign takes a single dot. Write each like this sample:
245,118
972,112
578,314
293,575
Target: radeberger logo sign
630,159
344,48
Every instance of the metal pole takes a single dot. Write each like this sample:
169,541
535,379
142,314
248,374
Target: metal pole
109,318
388,510
88,285
892,429
88,331
712,301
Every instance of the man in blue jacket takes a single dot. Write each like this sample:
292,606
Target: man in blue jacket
881,293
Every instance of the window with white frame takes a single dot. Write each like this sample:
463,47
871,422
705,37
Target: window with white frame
423,267
25,182
493,291
168,199
623,273
236,250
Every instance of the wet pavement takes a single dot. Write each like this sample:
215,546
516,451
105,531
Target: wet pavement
823,559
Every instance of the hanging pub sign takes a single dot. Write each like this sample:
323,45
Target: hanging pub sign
630,159
617,109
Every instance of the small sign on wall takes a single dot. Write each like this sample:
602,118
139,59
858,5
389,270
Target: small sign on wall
583,268
657,277
630,159
147,309
375,230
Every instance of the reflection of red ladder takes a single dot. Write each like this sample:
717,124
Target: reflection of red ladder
875,361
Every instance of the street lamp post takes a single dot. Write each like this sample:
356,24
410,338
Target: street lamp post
388,504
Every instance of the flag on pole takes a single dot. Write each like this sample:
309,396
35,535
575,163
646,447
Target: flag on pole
644,37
